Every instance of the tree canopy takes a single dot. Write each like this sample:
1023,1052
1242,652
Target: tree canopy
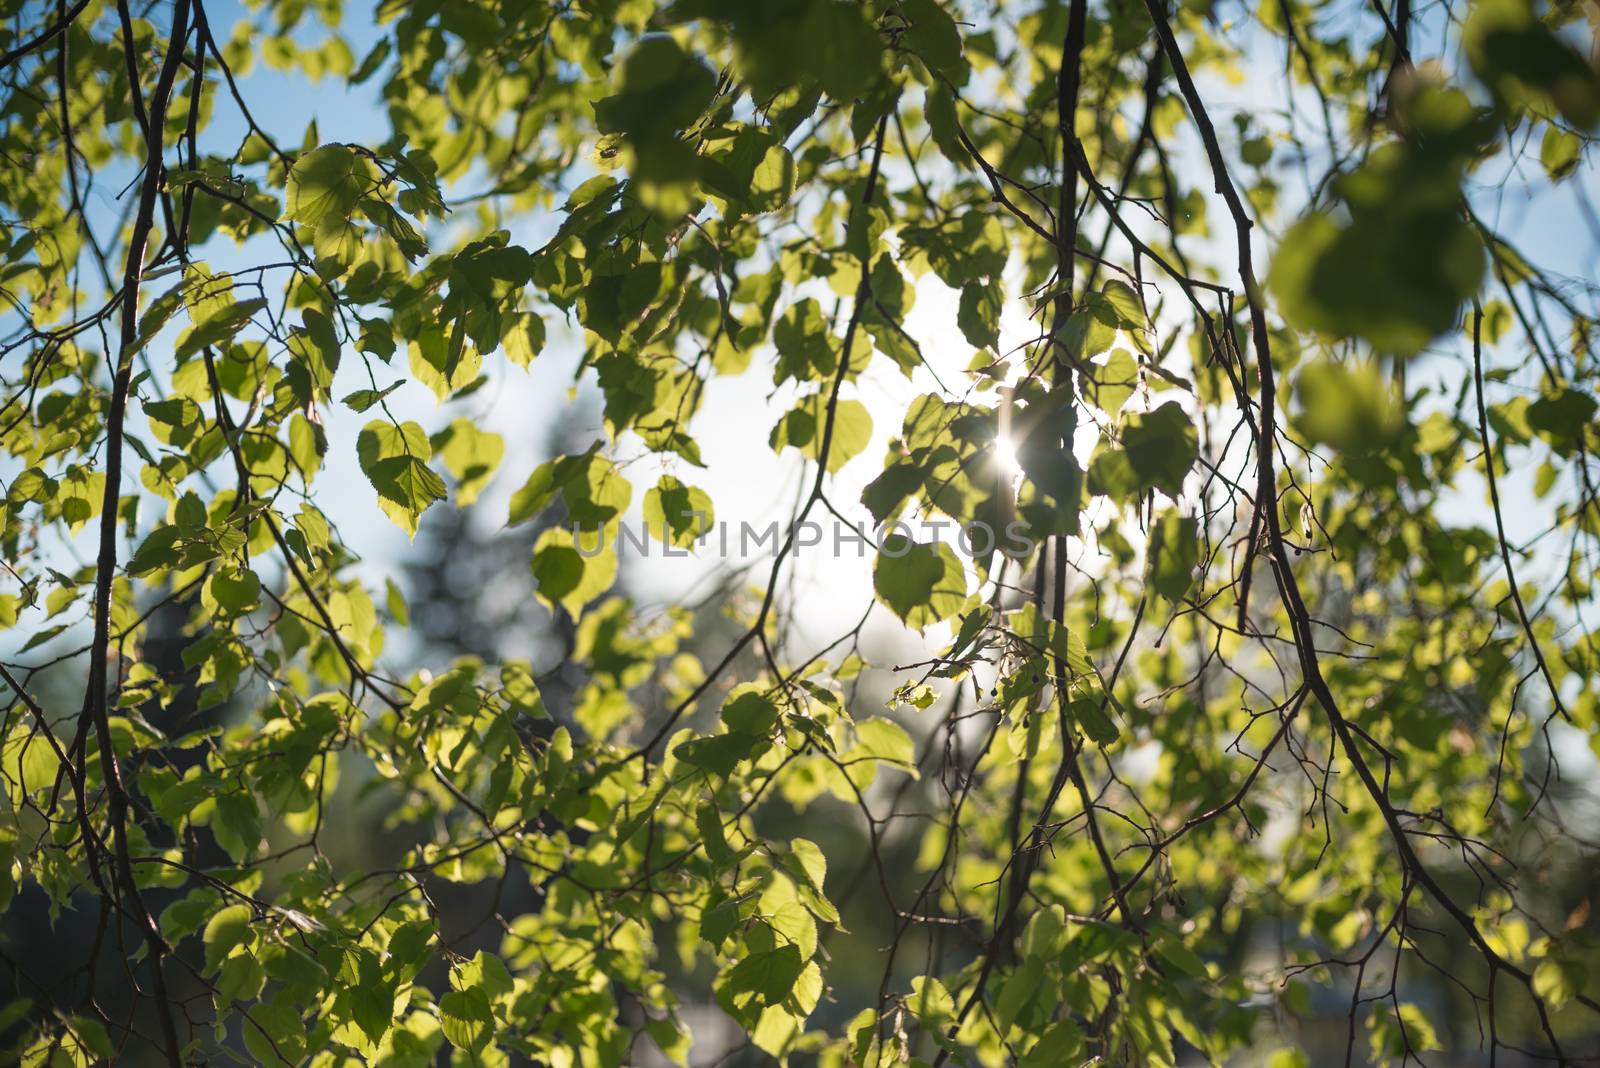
1252,713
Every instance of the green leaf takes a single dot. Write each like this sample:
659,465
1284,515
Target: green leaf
278,1021
708,821
1526,65
885,497
1061,1043
661,91
466,1018
1402,1033
594,491
811,860
720,753
933,36
571,572
1397,272
1046,457
805,344
672,1038
804,428
677,514
444,362
240,978
395,460
230,927
920,582
749,710
1125,305
1020,989
1044,934
1089,713
772,182
838,48
232,591
786,915
718,922
1560,418
221,327
315,347
769,975
1556,982
470,455
979,313
941,116
1160,447
523,339
540,489
362,399
325,184
370,999
884,739
1561,151
1114,381
290,966
1350,407
92,1035
1257,151
1174,552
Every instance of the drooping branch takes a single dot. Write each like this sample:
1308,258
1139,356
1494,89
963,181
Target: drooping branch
94,712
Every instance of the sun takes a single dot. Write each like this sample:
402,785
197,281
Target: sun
1005,455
